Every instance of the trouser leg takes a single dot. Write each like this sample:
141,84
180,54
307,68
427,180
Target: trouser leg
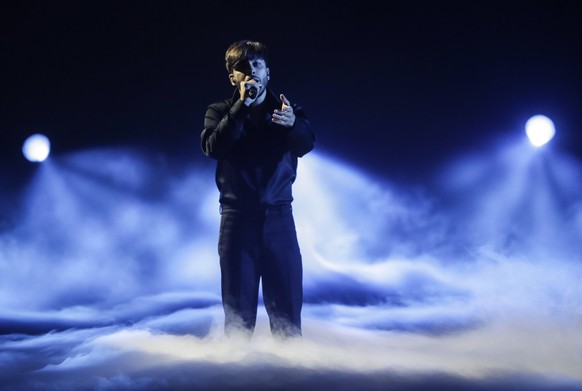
282,275
240,273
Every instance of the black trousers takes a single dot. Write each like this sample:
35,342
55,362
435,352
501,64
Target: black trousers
260,245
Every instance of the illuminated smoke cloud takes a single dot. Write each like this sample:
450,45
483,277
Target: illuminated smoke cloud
473,283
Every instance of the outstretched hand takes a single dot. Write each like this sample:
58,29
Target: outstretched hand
285,116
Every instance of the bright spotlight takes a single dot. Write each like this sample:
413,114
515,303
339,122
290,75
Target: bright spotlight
539,129
36,148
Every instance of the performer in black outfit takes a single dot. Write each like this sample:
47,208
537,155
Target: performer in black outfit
256,138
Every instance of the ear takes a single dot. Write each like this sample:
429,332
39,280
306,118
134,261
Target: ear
268,74
231,78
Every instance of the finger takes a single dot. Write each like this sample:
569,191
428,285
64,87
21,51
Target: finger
285,100
287,110
279,118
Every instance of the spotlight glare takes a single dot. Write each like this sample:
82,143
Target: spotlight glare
36,148
540,130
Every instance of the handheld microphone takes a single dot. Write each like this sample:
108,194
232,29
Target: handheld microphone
252,92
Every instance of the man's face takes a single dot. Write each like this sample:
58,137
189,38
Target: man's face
251,69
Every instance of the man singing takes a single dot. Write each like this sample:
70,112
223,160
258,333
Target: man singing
256,137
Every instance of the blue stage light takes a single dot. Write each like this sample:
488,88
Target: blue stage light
540,130
36,148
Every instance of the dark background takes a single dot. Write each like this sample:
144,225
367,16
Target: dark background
398,88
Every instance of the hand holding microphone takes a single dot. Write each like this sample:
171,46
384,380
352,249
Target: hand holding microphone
252,91
249,91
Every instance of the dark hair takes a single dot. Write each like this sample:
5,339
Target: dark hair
244,50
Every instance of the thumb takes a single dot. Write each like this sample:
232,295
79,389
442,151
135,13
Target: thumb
285,100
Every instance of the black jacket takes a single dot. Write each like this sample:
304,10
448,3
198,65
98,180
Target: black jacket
256,164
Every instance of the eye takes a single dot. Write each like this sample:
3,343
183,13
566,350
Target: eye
241,67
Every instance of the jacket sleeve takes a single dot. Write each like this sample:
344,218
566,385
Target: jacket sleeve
301,138
222,128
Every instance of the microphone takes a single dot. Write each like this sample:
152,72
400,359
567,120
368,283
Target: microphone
252,92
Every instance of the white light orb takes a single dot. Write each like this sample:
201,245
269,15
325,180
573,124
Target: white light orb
36,148
540,130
